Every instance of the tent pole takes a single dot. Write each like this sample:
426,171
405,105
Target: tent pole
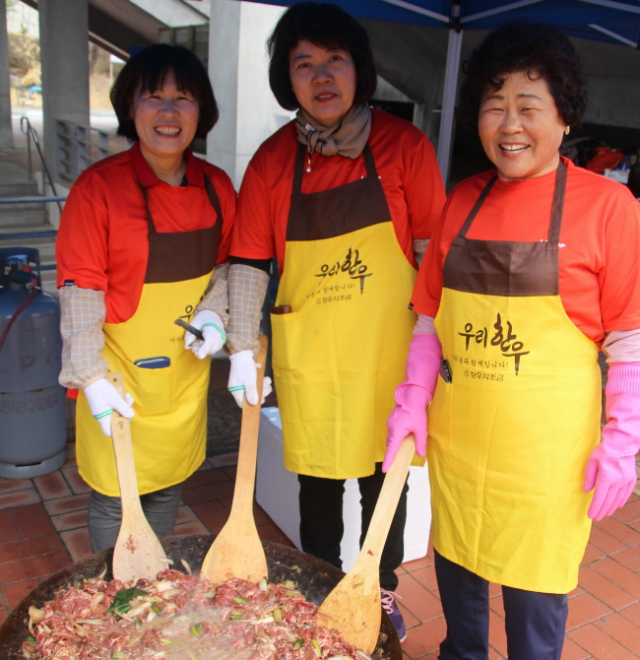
449,101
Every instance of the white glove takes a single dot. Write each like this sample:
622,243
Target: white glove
103,399
212,329
243,379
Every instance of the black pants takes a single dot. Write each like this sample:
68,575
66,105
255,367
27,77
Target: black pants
322,527
534,622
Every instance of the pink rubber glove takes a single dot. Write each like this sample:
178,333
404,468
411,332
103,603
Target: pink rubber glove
413,396
611,468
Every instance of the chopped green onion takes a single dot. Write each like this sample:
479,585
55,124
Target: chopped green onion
292,593
289,584
263,585
196,630
277,614
235,617
121,601
155,608
297,644
239,600
316,647
166,640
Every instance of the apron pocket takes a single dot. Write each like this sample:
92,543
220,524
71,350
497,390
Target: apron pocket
286,342
152,390
439,415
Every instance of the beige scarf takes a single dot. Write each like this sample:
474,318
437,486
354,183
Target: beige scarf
344,139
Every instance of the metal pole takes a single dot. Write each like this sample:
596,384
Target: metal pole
449,94
24,121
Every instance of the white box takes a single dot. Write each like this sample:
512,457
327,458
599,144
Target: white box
277,493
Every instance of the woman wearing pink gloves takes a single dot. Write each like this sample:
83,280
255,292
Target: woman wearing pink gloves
533,266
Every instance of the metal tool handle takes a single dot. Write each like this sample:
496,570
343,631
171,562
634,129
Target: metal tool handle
192,329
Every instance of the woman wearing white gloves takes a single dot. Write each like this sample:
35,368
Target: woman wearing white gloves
143,241
345,197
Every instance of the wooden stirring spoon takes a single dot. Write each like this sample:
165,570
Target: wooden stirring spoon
137,553
237,550
353,607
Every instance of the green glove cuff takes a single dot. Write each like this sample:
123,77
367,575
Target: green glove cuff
218,328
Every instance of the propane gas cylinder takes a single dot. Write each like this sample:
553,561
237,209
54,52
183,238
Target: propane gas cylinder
32,403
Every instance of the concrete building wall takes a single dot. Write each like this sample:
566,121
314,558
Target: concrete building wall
174,12
65,69
6,134
22,19
238,67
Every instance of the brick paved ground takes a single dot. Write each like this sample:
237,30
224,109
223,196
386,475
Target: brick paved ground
43,528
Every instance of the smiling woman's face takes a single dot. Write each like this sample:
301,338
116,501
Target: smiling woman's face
323,80
520,127
166,120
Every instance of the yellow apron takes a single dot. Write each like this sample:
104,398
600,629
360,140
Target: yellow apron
169,429
339,354
510,435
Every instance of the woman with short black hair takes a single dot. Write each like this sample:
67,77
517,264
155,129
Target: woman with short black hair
532,268
530,47
327,26
147,70
144,240
345,198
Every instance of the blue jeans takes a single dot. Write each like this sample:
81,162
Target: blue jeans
160,509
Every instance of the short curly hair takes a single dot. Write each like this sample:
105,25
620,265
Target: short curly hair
323,24
539,50
145,71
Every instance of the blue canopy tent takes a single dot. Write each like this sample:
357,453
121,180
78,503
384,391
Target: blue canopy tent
611,21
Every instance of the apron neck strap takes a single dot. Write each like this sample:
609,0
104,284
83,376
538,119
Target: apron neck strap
213,196
298,168
557,206
150,225
372,172
558,203
476,207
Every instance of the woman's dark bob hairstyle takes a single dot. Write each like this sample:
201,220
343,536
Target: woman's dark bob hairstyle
145,72
539,50
326,25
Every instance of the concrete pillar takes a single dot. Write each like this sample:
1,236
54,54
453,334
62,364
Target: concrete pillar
6,134
224,36
238,68
65,68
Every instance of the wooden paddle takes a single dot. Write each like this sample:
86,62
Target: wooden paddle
353,607
237,550
137,553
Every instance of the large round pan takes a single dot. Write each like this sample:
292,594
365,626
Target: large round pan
314,577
